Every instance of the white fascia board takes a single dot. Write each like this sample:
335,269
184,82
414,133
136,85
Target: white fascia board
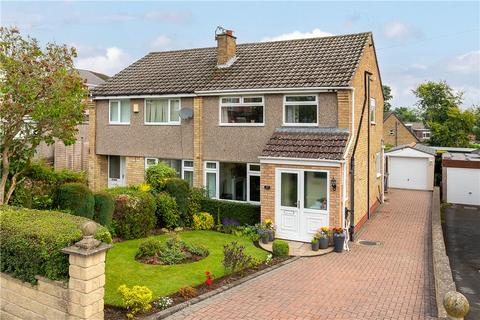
270,90
186,95
301,161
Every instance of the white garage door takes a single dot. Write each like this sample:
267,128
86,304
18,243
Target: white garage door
463,186
408,173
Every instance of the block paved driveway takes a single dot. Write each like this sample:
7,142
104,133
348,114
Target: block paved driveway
392,281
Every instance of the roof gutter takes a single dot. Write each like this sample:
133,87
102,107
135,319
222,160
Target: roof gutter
269,90
146,96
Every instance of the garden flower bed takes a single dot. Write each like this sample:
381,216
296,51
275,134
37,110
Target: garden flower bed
167,280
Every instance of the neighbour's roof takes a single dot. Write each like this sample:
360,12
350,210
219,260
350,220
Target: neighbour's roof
415,146
316,62
92,79
307,143
416,125
474,156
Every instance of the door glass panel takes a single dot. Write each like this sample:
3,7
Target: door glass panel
211,184
289,189
315,188
254,188
114,170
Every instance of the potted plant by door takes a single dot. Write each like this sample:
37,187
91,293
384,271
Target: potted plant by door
270,228
264,236
323,237
315,244
338,239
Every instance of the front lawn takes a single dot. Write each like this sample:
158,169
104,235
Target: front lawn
122,268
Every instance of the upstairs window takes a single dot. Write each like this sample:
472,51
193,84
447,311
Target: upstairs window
373,110
119,111
241,111
162,111
300,110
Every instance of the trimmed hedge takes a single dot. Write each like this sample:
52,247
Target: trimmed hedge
280,248
180,191
77,198
244,213
104,206
31,240
134,213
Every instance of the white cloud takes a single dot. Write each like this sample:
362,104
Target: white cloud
179,17
315,33
468,63
161,43
110,61
400,31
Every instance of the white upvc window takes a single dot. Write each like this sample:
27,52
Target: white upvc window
211,178
172,163
426,134
150,162
242,111
187,171
378,159
300,110
373,110
162,111
119,111
253,182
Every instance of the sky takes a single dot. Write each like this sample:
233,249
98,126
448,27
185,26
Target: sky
415,41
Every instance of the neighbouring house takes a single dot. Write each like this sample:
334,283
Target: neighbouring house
395,132
410,166
419,130
75,156
461,177
294,126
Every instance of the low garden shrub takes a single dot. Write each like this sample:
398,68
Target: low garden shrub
104,206
180,191
158,175
188,292
31,240
196,196
244,213
76,198
280,248
167,211
203,221
235,258
134,213
148,248
136,299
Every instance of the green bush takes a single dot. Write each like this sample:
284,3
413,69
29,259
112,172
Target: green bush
280,248
134,214
167,211
137,299
149,247
196,196
203,221
31,240
158,175
235,258
244,213
104,207
77,198
180,191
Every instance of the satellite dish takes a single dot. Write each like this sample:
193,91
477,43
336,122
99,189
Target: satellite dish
186,113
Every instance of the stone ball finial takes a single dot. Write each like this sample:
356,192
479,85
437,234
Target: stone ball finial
89,229
456,304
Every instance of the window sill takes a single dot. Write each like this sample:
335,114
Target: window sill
241,124
379,175
119,123
300,124
373,123
162,123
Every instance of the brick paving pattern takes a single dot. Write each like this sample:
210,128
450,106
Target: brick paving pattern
391,281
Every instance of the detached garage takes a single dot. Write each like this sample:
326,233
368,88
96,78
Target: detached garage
461,178
410,166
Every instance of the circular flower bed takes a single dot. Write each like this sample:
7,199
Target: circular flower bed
173,251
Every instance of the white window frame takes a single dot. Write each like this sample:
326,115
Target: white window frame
378,161
251,173
169,122
373,107
240,104
150,158
184,168
217,176
426,134
119,122
285,103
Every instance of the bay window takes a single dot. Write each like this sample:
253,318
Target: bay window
119,111
300,110
162,111
241,111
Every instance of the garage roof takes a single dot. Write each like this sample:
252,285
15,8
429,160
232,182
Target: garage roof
414,146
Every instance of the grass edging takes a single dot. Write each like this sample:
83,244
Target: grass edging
170,311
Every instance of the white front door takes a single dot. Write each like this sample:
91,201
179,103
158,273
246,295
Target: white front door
302,201
116,171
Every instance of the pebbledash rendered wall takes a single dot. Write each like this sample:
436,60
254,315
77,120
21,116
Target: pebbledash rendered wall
79,299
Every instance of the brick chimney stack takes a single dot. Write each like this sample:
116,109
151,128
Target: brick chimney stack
226,47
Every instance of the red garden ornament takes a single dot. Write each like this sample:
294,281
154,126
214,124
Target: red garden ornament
209,278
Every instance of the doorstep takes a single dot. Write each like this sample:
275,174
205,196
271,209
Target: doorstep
298,249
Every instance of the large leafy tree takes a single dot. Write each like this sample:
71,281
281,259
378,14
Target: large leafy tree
407,114
455,130
41,99
387,96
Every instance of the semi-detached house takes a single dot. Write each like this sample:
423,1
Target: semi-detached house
293,126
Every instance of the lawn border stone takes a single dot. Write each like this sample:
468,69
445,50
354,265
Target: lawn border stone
172,310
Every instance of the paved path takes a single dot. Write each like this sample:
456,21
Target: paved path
392,281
